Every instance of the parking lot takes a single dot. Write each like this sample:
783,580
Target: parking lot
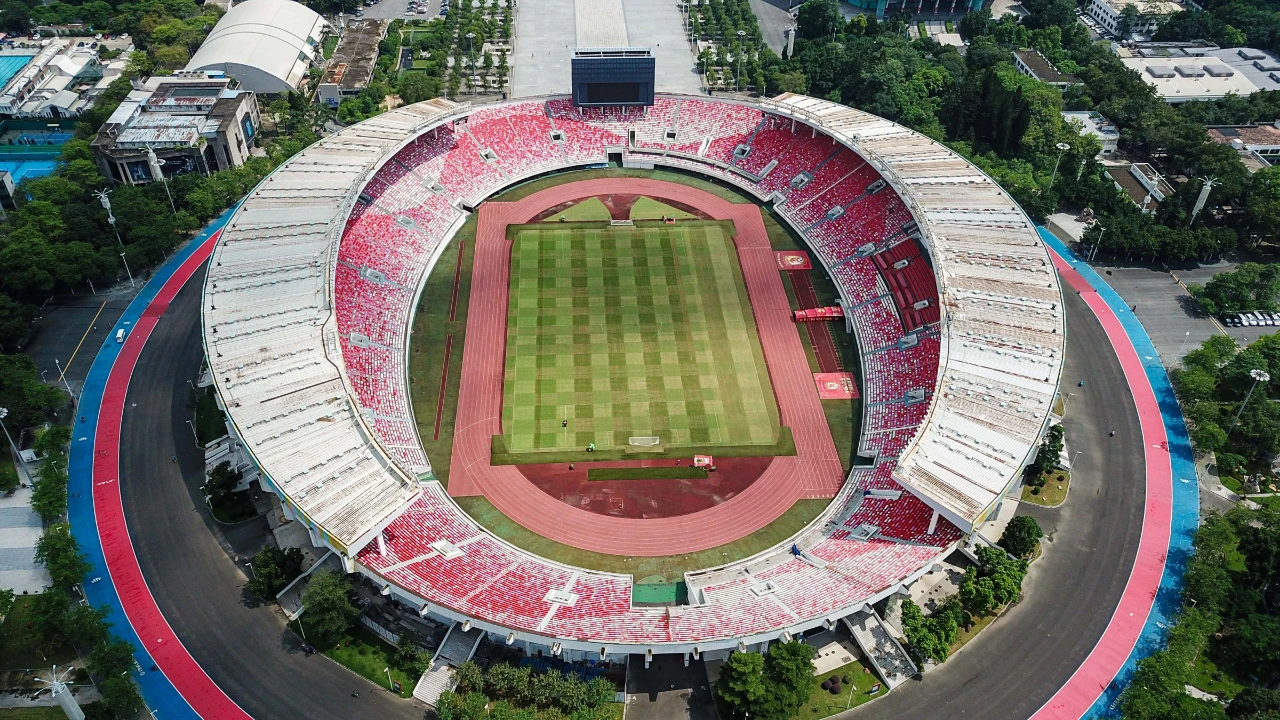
395,9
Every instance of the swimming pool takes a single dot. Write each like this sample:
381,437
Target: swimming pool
11,65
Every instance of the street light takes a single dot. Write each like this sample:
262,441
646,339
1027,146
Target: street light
193,433
1062,147
741,34
1184,341
62,375
390,687
127,271
17,457
1258,376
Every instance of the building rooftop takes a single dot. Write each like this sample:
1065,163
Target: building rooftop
1247,135
1093,123
1042,69
1211,76
1147,7
1188,48
356,55
266,44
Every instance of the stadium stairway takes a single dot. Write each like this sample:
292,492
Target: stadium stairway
878,645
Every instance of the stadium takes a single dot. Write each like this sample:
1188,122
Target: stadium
627,308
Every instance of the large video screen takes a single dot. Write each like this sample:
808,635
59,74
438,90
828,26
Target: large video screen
613,93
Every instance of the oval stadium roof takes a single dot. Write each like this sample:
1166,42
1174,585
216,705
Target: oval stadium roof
267,45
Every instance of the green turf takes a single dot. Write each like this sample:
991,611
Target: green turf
590,209
646,208
431,329
648,473
669,567
632,331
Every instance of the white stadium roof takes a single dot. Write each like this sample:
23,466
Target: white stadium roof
272,342
268,45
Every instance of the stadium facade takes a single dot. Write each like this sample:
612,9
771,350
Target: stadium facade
301,309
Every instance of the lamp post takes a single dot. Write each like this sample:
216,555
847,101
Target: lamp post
17,458
127,271
105,200
737,77
1258,376
62,375
154,163
390,686
1183,344
1062,147
1093,251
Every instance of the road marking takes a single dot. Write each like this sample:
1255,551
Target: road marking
82,337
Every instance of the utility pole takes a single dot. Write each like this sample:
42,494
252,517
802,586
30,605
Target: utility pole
154,163
104,199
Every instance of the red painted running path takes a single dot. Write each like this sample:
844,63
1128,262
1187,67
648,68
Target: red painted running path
814,472
1106,659
195,686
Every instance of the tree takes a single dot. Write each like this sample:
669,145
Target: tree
789,679
22,393
59,552
818,19
1249,287
418,86
1254,703
409,657
1021,535
6,603
273,569
741,684
470,678
223,481
329,612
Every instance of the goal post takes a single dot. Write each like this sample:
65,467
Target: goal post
644,441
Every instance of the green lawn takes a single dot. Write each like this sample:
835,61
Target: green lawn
431,330
524,190
587,210
367,655
211,424
823,704
1214,678
670,567
632,331
646,208
683,472
18,649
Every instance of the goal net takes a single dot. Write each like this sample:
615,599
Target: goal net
644,441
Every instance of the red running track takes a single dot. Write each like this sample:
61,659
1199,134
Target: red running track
814,472
1106,659
191,681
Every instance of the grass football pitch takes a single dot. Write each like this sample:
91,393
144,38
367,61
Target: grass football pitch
632,331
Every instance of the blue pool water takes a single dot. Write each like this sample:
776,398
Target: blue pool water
11,65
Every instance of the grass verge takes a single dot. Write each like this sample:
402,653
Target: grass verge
1054,492
211,424
670,567
18,648
41,713
646,208
823,704
366,655
648,473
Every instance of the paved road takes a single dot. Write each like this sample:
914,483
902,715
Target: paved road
774,18
72,331
1014,666
244,647
248,652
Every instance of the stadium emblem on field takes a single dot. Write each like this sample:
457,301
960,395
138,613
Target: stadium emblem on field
793,260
